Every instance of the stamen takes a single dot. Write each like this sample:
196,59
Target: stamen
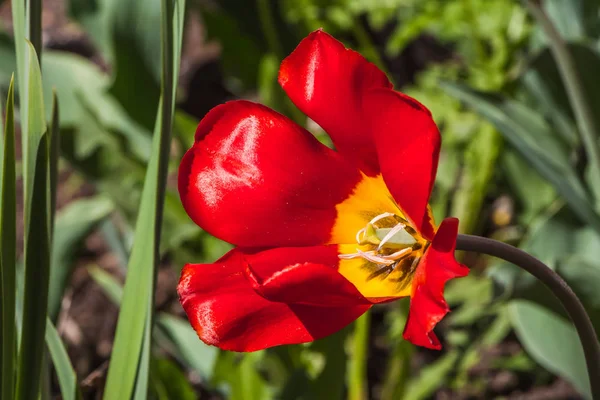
370,256
381,216
349,256
390,234
398,255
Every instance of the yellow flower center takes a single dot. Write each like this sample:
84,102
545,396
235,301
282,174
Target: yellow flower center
379,251
388,242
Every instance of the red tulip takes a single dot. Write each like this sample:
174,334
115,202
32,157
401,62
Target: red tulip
322,235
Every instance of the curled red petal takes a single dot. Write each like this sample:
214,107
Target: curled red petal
254,178
427,303
408,146
302,275
327,82
228,313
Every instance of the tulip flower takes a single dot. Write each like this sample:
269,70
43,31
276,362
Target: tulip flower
322,235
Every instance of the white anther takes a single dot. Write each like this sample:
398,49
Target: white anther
390,234
380,217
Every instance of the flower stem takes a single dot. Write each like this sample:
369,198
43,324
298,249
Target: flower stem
568,71
357,385
573,306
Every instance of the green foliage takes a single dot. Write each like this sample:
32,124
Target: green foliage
73,224
67,379
509,133
566,359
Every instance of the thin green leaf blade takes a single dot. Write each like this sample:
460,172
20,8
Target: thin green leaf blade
54,156
131,347
8,247
67,379
35,123
37,273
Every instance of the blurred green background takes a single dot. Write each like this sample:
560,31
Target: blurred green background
514,166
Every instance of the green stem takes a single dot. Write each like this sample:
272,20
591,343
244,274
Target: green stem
268,27
562,291
357,385
573,85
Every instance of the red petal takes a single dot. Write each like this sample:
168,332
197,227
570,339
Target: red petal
427,303
226,312
408,145
327,82
256,179
302,275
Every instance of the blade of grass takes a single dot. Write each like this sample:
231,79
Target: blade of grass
37,268
131,346
35,126
18,19
8,247
67,379
357,384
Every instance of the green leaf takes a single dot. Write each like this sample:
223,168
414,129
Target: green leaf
8,242
73,224
8,57
189,349
568,17
357,377
109,284
545,82
551,341
136,48
182,338
37,271
54,157
67,379
169,382
32,127
535,140
534,193
240,372
431,377
329,384
131,338
83,90
480,161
